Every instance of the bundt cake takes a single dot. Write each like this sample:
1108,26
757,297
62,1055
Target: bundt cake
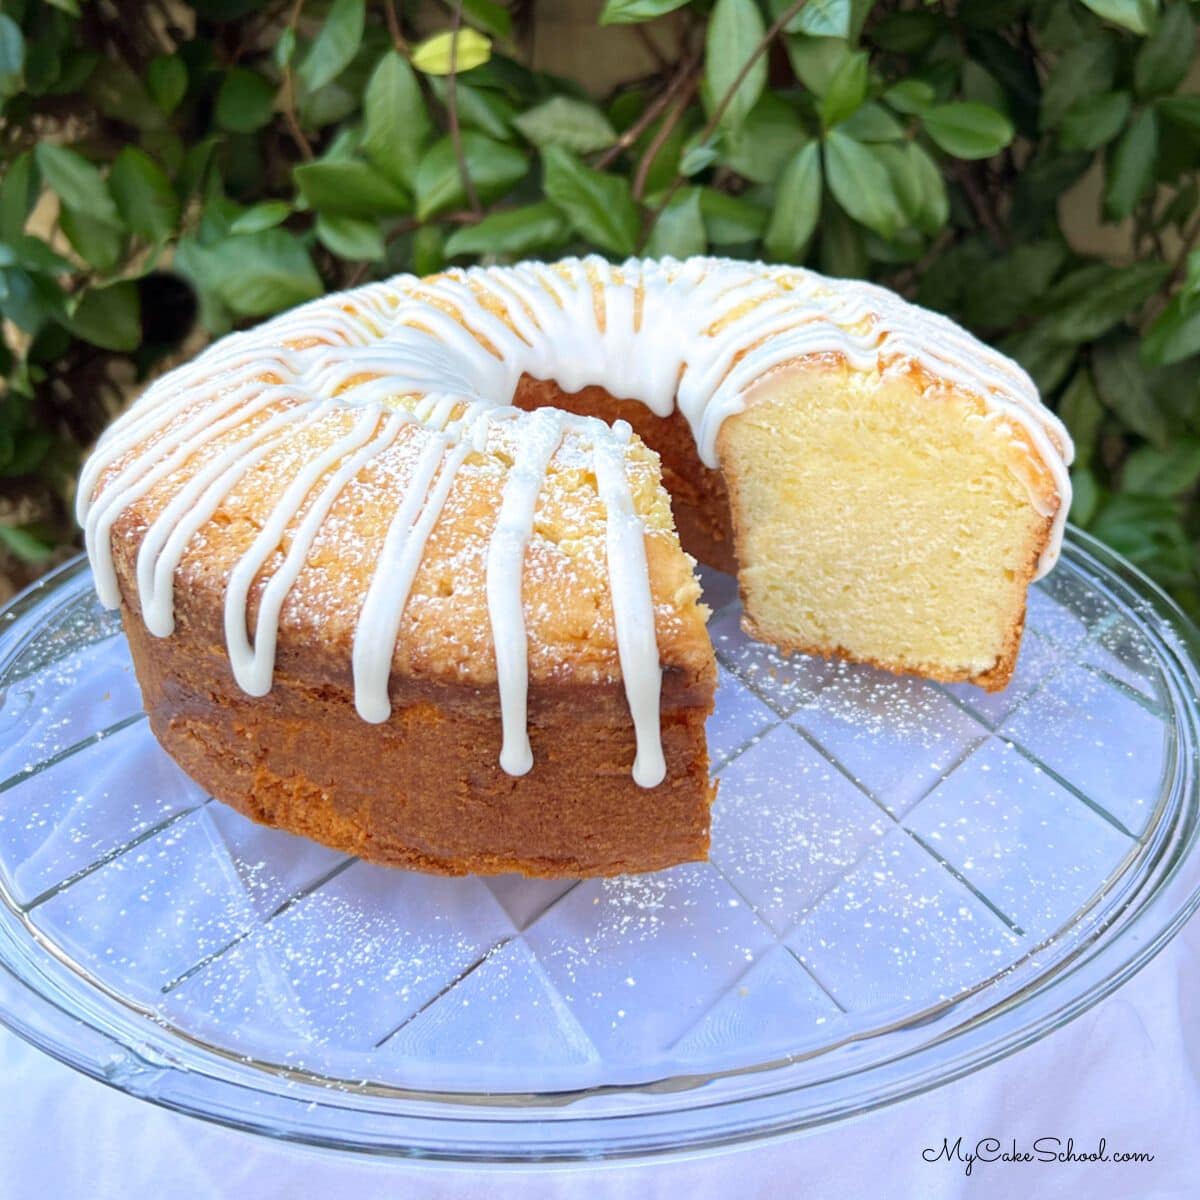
400,569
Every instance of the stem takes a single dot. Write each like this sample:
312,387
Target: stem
660,137
727,99
289,93
687,75
452,113
979,203
399,42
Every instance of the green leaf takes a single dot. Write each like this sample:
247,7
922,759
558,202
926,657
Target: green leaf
564,121
1121,382
698,158
1085,496
1163,59
847,90
1047,361
599,206
166,81
1185,110
816,60
351,187
731,220
843,252
1092,299
120,93
468,50
77,183
1131,166
245,101
1003,290
494,168
1084,69
873,123
910,96
1149,471
396,125
626,12
262,216
18,194
861,185
12,57
735,30
907,32
1094,121
679,231
818,18
352,238
145,199
1175,334
335,45
489,16
110,317
1083,414
1135,15
98,243
34,255
765,142
25,545
484,109
933,211
255,274
967,129
797,206
514,232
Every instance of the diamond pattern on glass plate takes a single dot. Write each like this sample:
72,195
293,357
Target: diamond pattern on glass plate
1123,653
639,958
1032,847
272,866
788,825
505,1017
267,945
1100,740
154,911
64,702
1038,660
774,1006
785,682
894,736
901,930
739,717
63,819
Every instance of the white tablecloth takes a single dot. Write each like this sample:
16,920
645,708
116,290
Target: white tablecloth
1128,1071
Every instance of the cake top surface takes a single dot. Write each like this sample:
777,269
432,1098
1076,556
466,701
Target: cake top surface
352,473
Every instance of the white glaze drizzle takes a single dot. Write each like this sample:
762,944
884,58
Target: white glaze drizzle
698,335
633,605
505,576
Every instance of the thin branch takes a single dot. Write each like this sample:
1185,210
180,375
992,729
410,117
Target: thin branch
979,202
688,72
652,48
660,137
399,41
726,100
289,93
452,113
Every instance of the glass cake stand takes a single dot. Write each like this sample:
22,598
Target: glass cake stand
908,881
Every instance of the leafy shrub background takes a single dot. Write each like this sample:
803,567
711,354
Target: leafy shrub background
265,152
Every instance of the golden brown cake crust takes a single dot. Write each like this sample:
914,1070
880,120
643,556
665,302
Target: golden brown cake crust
419,791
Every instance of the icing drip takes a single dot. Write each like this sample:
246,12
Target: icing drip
383,610
254,664
633,607
447,355
505,574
